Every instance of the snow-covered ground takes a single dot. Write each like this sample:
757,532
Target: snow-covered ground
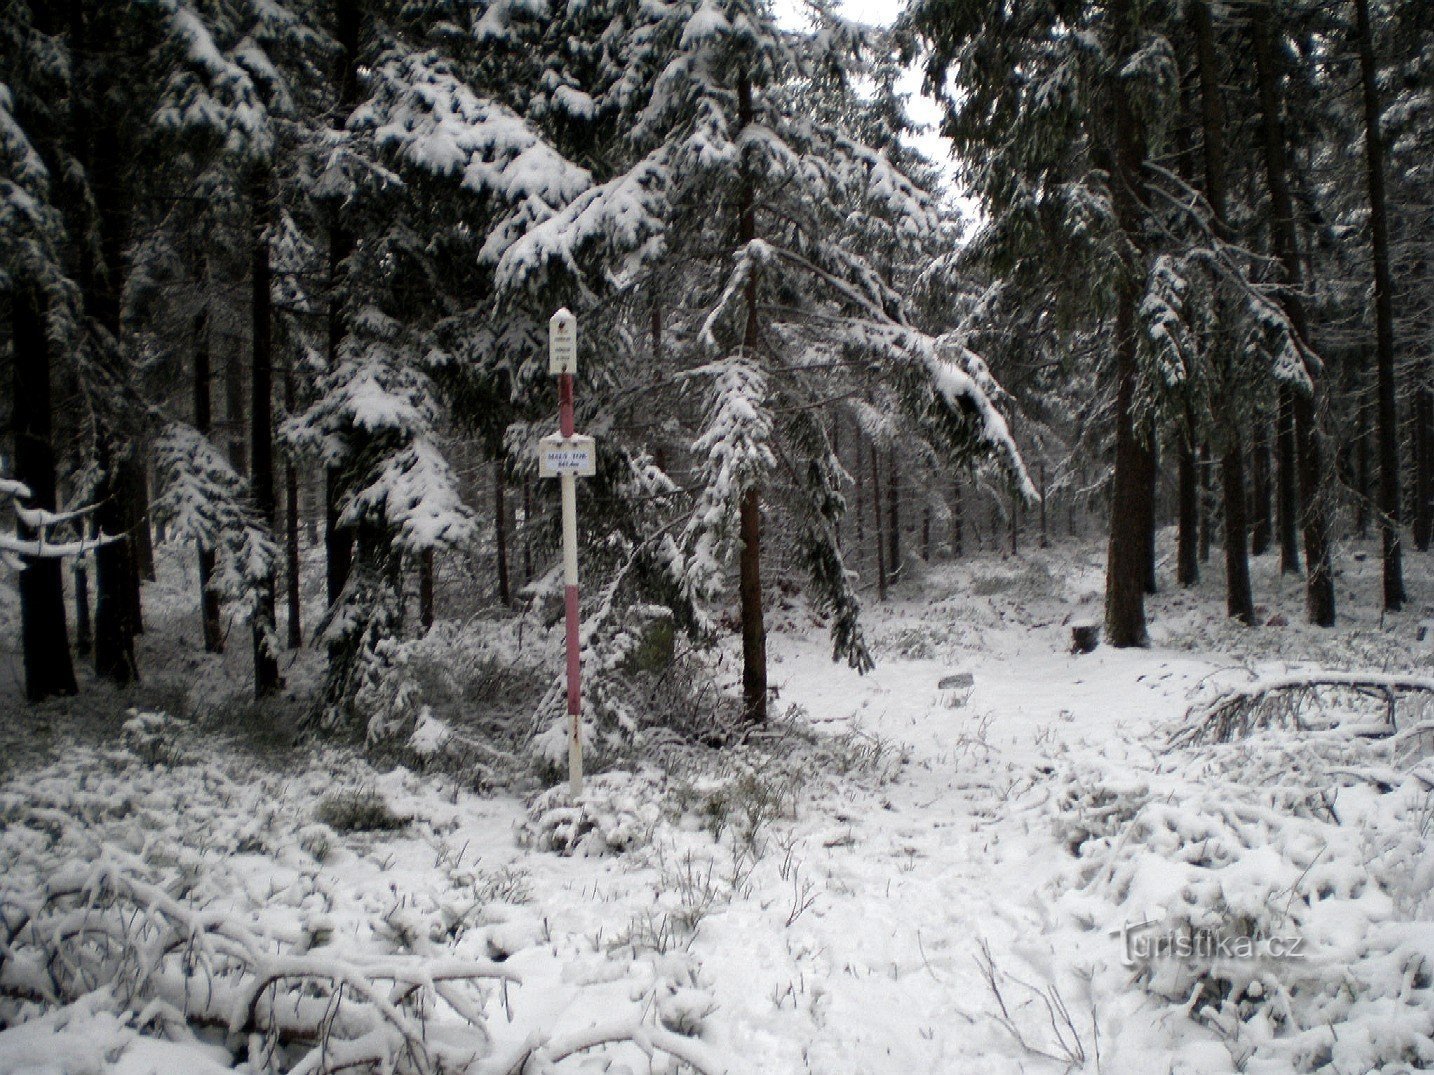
904,879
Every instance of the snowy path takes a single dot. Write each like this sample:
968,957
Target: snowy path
884,968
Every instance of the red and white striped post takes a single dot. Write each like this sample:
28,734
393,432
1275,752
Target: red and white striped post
568,456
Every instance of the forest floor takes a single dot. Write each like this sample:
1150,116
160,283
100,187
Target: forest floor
898,879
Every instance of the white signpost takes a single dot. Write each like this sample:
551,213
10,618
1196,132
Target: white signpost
568,455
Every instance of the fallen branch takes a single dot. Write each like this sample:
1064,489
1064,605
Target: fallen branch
1238,711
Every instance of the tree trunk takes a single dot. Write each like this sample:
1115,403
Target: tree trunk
754,630
876,522
1260,482
1361,472
45,644
292,579
261,429
143,534
209,614
1206,503
1239,600
1187,567
100,275
425,589
84,630
893,517
1015,521
1287,504
1319,585
1389,514
1128,561
339,539
500,534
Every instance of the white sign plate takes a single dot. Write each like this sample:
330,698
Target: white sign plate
562,343
567,455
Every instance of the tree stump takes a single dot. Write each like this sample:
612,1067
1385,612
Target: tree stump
1084,637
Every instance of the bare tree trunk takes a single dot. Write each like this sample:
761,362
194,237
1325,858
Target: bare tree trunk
1128,561
261,429
754,630
1015,523
209,612
1260,517
291,524
876,521
893,515
1361,472
1319,585
1239,600
339,539
1207,511
44,639
1390,519
84,631
1187,567
1287,505
425,589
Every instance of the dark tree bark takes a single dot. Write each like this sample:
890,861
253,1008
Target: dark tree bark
100,230
143,534
44,639
1015,523
754,630
291,526
876,524
1239,599
425,589
261,428
1260,528
1128,564
1319,583
339,539
893,517
1207,510
236,421
1361,472
209,614
1390,520
84,629
500,533
1187,566
1287,503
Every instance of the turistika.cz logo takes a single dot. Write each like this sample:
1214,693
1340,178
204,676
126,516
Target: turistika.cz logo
1143,942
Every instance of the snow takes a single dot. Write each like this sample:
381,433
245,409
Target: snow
902,886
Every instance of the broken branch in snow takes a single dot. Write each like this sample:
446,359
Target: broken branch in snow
1238,711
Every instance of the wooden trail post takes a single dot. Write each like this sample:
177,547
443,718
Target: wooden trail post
568,456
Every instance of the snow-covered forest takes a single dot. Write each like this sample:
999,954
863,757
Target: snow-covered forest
1004,601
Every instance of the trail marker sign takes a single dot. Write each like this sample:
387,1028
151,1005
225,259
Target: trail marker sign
558,455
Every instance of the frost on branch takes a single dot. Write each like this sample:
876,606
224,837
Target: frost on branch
735,453
204,501
423,112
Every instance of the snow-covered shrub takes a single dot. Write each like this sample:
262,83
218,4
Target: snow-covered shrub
616,812
1276,888
153,736
359,811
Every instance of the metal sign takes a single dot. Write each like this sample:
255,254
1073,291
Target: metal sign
562,343
567,455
